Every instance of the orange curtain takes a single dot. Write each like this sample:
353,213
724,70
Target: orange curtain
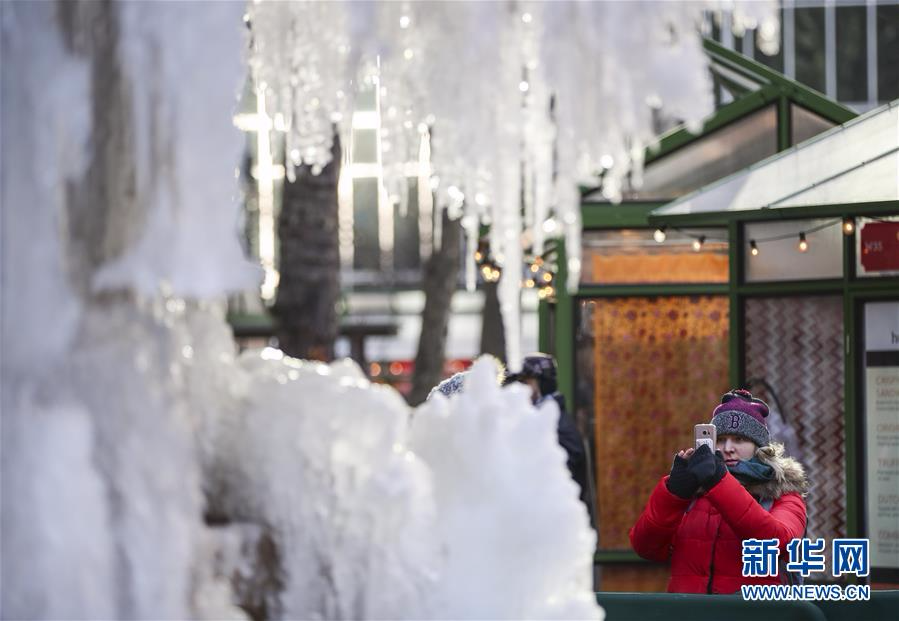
661,366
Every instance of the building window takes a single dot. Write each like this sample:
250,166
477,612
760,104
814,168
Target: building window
384,231
779,257
806,124
887,52
633,256
852,61
810,55
711,157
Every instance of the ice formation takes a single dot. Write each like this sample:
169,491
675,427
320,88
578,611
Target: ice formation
508,514
521,101
150,472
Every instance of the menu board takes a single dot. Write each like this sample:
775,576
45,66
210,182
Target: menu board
882,431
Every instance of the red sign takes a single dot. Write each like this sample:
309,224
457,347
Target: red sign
880,246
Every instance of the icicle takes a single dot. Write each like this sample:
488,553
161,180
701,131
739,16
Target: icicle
442,66
345,214
470,226
425,197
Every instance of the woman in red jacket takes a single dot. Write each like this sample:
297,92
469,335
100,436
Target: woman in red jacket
699,515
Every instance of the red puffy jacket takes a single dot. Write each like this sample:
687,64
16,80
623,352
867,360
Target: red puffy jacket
705,544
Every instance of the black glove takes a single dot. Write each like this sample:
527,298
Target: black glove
708,469
681,482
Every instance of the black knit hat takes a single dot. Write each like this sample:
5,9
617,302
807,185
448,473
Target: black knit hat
541,367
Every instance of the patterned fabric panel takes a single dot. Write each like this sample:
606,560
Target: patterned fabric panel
796,346
660,367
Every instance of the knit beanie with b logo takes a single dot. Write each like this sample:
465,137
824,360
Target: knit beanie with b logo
741,414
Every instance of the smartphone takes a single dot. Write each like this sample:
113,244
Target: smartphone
705,434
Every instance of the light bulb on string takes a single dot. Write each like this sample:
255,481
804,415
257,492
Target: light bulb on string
697,243
659,235
803,244
753,248
848,226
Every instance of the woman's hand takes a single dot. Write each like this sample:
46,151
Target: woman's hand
708,468
686,453
681,482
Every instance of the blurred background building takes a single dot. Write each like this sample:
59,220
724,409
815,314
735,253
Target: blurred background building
845,49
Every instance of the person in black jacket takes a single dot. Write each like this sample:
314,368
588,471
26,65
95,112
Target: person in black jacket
540,373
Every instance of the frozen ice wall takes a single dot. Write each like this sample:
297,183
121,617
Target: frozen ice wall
150,472
101,481
516,538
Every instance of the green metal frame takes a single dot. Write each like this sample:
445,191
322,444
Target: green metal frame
854,291
757,72
721,218
774,88
679,137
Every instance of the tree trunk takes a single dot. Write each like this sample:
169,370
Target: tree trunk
309,285
441,275
493,337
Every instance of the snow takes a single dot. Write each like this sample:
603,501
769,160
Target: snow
55,516
517,538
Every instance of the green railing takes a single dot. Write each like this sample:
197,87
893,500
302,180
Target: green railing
667,606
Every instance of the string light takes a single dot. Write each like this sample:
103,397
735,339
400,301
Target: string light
489,268
847,224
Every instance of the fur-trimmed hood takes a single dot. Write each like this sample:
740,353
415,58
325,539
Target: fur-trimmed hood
789,475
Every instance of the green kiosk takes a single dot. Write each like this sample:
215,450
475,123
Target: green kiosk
762,252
